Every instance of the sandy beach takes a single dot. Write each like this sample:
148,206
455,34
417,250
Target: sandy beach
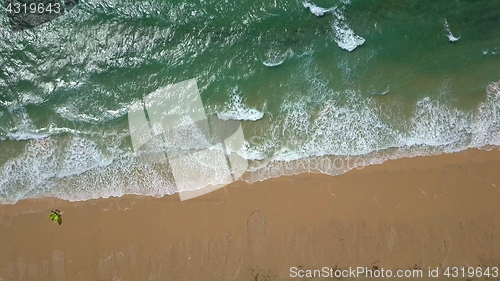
413,213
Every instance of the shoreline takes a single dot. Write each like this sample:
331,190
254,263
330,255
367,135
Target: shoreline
428,211
328,165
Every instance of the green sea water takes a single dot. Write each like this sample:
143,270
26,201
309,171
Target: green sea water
364,80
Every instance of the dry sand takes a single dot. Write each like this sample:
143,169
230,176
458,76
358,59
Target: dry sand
437,211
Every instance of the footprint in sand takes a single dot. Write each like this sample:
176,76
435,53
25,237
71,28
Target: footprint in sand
256,234
446,248
107,268
391,238
59,273
21,268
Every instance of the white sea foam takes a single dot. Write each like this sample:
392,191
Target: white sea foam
448,33
317,11
273,64
23,128
494,89
78,169
344,35
275,58
495,51
24,99
333,139
249,114
24,136
74,169
358,129
71,112
237,110
452,38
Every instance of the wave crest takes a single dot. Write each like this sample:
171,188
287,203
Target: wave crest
237,110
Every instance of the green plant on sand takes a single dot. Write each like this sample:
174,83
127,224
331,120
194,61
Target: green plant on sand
56,216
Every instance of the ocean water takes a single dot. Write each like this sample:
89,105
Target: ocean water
318,86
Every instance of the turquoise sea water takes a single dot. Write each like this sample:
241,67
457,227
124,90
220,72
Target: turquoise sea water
311,82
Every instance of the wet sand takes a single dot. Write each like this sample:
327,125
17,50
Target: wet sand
436,211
